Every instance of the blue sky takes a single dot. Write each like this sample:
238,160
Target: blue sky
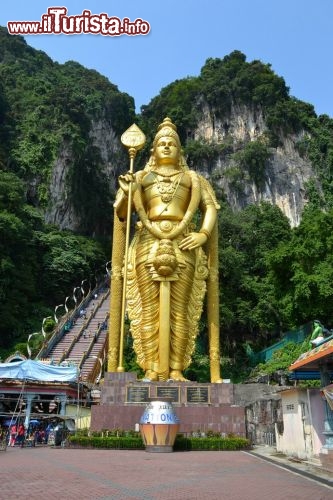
294,36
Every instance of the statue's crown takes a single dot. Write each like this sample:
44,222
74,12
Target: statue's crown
167,123
167,128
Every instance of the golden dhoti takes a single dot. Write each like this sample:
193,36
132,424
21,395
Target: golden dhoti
187,290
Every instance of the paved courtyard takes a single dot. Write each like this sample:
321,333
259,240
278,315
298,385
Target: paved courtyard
56,473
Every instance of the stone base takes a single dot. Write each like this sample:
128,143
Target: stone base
200,407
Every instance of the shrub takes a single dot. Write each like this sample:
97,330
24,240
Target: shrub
135,442
211,443
111,442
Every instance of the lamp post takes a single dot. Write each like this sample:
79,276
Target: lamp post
82,287
74,294
28,345
43,323
65,304
108,268
37,333
55,312
101,362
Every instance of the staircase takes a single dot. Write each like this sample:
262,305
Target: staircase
84,341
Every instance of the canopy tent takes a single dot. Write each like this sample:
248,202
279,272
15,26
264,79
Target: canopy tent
35,370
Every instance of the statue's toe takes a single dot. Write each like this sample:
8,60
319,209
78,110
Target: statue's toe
178,376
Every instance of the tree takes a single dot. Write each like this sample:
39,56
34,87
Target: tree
249,309
18,263
67,259
302,270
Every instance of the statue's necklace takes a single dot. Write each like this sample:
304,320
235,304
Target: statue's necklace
167,186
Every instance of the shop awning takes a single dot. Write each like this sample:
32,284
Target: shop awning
35,370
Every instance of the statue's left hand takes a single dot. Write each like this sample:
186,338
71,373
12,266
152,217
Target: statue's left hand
193,240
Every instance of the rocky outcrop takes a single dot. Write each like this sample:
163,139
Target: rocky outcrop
285,179
60,210
286,172
242,124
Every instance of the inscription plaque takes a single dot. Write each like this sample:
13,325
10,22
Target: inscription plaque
168,392
137,394
198,394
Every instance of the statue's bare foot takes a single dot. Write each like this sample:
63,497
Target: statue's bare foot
177,375
151,375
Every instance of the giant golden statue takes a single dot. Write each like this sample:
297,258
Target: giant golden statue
170,263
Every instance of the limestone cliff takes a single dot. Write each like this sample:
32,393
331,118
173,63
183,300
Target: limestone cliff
286,173
285,178
61,210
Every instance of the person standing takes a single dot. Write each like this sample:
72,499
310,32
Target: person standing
21,435
13,434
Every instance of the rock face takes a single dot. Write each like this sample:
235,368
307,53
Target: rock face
286,173
61,211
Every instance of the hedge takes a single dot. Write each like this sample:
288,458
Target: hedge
211,443
181,443
113,442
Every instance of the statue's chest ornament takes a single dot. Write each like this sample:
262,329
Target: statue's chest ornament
167,186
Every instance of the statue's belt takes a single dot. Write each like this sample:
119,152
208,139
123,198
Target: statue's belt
166,226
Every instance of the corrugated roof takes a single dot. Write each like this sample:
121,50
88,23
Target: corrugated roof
312,360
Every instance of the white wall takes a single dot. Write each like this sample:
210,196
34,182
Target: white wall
303,421
317,405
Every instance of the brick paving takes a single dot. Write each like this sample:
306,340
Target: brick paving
56,473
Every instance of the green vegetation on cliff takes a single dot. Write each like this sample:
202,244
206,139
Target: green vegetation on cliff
232,81
45,106
39,264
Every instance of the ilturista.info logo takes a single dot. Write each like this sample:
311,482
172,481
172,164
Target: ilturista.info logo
57,22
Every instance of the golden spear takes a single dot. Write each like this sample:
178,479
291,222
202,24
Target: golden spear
133,139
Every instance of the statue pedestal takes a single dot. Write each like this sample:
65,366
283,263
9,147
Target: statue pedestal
200,407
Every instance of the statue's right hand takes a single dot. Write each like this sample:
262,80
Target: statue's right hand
125,181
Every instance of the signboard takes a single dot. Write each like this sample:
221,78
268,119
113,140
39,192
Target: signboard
137,394
197,394
170,392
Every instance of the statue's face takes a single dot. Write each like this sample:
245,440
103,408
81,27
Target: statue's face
166,151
